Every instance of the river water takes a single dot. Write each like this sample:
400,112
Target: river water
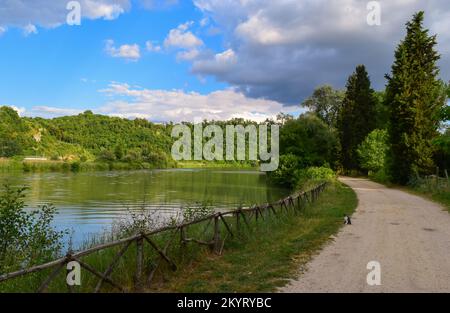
88,203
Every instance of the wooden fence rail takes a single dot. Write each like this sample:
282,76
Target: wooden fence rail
241,216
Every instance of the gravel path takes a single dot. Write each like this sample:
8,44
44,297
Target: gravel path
408,235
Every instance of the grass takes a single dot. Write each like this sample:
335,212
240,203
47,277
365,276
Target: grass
257,259
439,193
432,188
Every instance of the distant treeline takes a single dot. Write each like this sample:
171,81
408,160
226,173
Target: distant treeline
88,138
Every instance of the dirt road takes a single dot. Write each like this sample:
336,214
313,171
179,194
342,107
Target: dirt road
408,235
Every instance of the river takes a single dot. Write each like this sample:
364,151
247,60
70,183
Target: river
89,203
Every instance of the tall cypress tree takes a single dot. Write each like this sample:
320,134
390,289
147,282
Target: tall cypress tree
357,117
414,96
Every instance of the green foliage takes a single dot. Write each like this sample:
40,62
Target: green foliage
26,238
356,118
312,175
326,102
372,151
415,97
310,140
442,152
83,137
12,133
285,174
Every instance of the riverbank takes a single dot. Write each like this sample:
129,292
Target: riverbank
33,166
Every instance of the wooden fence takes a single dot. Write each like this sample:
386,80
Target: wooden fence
436,182
240,217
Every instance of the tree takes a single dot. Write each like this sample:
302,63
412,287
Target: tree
415,97
26,237
13,137
310,140
357,117
372,151
326,102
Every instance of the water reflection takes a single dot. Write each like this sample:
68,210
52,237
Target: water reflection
90,202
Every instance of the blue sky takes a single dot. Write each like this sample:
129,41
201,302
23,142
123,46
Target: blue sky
178,60
66,66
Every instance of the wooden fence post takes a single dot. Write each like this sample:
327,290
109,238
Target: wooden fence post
238,221
139,262
437,176
217,247
183,237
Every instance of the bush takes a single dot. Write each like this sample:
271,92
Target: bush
107,156
26,238
285,174
313,175
75,167
372,151
381,176
310,140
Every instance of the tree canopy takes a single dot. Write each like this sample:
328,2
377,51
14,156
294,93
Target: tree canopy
415,97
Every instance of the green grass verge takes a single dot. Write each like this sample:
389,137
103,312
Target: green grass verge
272,253
438,192
439,196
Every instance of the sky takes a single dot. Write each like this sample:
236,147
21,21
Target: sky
179,60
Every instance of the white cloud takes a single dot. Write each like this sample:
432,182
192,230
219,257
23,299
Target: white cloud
181,37
188,55
150,46
29,29
51,13
128,52
2,30
178,105
204,21
220,63
50,112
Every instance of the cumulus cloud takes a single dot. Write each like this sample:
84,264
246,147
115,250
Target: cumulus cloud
282,50
181,37
51,13
177,105
128,52
51,112
29,29
220,63
150,46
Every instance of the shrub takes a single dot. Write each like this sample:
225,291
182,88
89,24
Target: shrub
372,151
75,167
313,175
26,238
285,174
107,156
